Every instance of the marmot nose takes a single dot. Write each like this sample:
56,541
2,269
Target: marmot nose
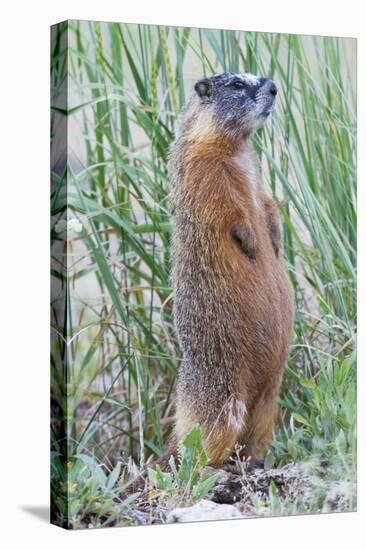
272,88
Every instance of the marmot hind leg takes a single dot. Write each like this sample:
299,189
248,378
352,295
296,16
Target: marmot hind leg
219,444
220,435
262,422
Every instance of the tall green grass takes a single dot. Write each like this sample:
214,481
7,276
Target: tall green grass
126,86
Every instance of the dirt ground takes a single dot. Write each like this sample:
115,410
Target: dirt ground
291,489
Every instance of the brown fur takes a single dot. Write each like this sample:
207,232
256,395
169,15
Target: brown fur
232,297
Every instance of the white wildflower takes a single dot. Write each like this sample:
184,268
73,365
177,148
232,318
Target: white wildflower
60,226
74,225
71,224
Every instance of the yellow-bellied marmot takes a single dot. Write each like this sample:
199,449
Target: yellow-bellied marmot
233,304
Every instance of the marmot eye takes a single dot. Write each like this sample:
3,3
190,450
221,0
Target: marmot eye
238,84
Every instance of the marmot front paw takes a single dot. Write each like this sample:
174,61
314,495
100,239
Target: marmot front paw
245,237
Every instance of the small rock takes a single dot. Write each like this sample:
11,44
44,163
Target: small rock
228,488
203,511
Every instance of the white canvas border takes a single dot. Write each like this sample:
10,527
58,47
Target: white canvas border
24,272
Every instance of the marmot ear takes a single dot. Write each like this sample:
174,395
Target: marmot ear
203,87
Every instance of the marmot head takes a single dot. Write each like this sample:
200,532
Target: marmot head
234,104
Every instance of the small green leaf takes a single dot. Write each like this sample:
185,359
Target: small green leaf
113,476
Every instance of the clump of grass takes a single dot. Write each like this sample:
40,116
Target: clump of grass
114,352
186,483
86,494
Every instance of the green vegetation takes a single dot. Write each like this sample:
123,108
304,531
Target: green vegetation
186,482
114,352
